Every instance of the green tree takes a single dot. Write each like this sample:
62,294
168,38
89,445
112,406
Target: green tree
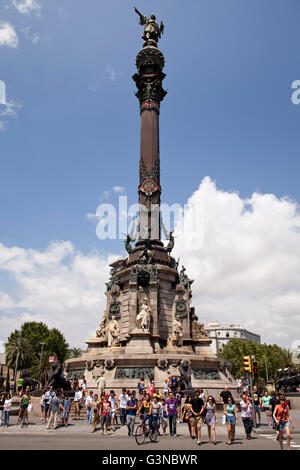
25,357
269,357
35,333
41,367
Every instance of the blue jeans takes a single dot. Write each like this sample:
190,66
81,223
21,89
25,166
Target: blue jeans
172,424
123,415
89,415
154,422
6,417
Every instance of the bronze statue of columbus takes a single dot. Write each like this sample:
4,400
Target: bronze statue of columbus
151,28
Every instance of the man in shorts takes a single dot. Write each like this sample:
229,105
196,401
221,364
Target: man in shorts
197,409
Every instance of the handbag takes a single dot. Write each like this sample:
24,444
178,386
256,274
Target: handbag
223,419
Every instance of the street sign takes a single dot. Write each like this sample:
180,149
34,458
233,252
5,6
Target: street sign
52,358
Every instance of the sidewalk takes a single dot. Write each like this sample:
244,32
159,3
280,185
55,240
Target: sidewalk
82,427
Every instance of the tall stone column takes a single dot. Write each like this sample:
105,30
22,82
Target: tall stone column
150,62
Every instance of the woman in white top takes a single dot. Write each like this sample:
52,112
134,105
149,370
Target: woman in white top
6,409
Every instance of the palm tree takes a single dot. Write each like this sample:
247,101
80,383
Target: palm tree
287,358
75,352
26,354
41,367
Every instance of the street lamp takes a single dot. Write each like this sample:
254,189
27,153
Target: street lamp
17,359
41,344
267,376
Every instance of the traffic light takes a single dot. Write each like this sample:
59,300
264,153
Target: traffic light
247,363
255,370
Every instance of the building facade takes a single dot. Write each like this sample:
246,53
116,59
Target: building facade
220,334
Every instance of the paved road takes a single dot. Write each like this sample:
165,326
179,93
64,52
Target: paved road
78,437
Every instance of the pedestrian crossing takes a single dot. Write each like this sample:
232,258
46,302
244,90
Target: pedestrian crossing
274,438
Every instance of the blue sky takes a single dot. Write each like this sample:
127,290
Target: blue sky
228,113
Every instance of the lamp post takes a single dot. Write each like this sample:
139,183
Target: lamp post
41,344
267,376
17,360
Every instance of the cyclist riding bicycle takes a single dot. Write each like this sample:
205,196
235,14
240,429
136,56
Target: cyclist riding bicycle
145,409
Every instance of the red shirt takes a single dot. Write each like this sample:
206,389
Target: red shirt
105,407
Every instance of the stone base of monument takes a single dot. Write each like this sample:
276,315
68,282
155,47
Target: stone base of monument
139,343
124,367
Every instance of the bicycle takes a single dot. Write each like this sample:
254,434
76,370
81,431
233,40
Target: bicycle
143,431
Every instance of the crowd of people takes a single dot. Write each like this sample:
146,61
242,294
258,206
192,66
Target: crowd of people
158,410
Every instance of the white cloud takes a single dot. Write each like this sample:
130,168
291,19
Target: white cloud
247,266
60,286
8,110
111,73
8,36
118,189
25,7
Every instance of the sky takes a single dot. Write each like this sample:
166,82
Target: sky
229,140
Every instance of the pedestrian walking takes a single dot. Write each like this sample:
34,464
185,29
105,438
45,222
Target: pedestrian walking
197,411
43,405
239,383
273,402
155,417
178,397
282,419
77,403
88,404
131,410
151,385
211,418
224,395
247,415
141,385
20,382
123,399
166,387
256,404
83,385
24,403
6,409
55,407
95,413
265,401
171,413
164,416
231,413
66,406
113,410
105,408
2,400
187,415
48,397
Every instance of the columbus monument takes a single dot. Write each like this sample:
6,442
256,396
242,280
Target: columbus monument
149,326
